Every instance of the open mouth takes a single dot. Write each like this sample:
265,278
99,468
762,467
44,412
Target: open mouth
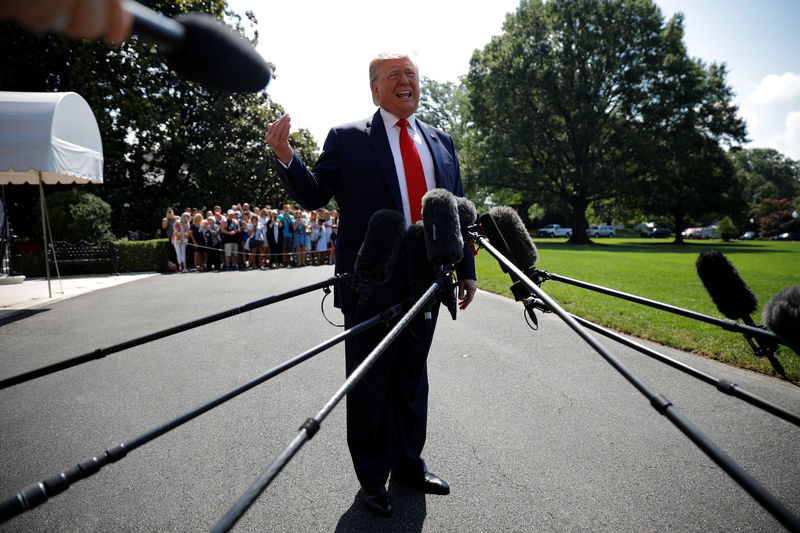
404,95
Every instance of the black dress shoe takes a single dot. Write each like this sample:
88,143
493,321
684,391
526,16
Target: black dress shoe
427,483
376,500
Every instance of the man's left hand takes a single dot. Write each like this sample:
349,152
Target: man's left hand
466,291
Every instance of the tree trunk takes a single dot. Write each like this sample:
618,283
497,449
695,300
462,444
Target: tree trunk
679,219
579,236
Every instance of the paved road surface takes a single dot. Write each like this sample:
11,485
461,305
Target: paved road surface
533,430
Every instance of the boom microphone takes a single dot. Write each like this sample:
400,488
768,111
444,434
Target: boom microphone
378,252
518,289
202,49
496,238
727,289
523,251
782,316
421,272
734,299
441,223
467,214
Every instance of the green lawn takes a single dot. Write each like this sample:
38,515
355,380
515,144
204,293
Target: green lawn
660,270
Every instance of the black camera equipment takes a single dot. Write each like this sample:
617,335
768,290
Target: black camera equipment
659,402
38,493
202,49
103,352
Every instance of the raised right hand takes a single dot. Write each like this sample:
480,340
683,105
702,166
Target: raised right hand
278,139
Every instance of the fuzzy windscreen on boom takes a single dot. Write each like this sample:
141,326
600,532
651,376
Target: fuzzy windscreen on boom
782,316
381,246
421,272
467,215
442,230
727,289
217,57
517,237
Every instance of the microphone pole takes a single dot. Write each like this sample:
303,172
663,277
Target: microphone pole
727,324
103,352
659,402
722,385
312,425
37,494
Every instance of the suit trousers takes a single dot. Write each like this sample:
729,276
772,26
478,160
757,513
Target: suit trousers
387,410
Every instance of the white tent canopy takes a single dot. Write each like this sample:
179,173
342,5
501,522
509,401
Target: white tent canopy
48,138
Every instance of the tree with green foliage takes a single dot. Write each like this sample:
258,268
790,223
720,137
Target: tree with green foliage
446,106
554,98
165,141
587,100
76,214
766,173
777,216
727,229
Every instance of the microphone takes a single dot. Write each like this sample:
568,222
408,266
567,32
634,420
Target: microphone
421,272
442,231
467,214
727,289
496,238
782,316
443,240
523,251
378,252
733,298
202,49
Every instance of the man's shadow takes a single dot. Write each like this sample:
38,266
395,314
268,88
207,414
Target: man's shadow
408,513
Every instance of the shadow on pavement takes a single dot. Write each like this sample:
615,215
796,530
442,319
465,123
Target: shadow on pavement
408,514
20,315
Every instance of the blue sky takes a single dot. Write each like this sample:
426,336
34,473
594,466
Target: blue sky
322,49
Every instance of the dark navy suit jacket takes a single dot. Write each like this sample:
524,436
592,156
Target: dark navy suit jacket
357,168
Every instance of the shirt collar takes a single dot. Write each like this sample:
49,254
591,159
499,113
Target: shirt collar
390,120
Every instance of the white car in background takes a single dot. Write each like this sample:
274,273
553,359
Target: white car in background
602,231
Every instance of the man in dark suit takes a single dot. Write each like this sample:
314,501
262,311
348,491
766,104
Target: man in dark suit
363,165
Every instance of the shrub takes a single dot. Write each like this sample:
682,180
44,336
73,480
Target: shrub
79,215
727,229
135,256
143,256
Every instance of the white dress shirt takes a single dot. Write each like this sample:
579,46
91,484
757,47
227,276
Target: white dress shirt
393,133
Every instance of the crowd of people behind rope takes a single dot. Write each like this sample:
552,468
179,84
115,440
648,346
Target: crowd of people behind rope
243,238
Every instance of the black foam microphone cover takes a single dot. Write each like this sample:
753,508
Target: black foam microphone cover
381,246
467,215
496,238
442,230
782,316
727,289
200,48
421,272
519,241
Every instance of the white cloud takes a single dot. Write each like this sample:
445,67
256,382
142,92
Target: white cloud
788,142
774,88
748,115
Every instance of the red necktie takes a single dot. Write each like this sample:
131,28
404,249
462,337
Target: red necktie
415,177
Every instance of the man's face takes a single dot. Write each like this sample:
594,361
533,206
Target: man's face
396,89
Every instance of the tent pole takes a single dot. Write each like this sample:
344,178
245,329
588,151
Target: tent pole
44,236
5,225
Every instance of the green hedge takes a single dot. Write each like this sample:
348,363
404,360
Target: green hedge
134,256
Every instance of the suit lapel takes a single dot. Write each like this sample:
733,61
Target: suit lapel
436,150
376,132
